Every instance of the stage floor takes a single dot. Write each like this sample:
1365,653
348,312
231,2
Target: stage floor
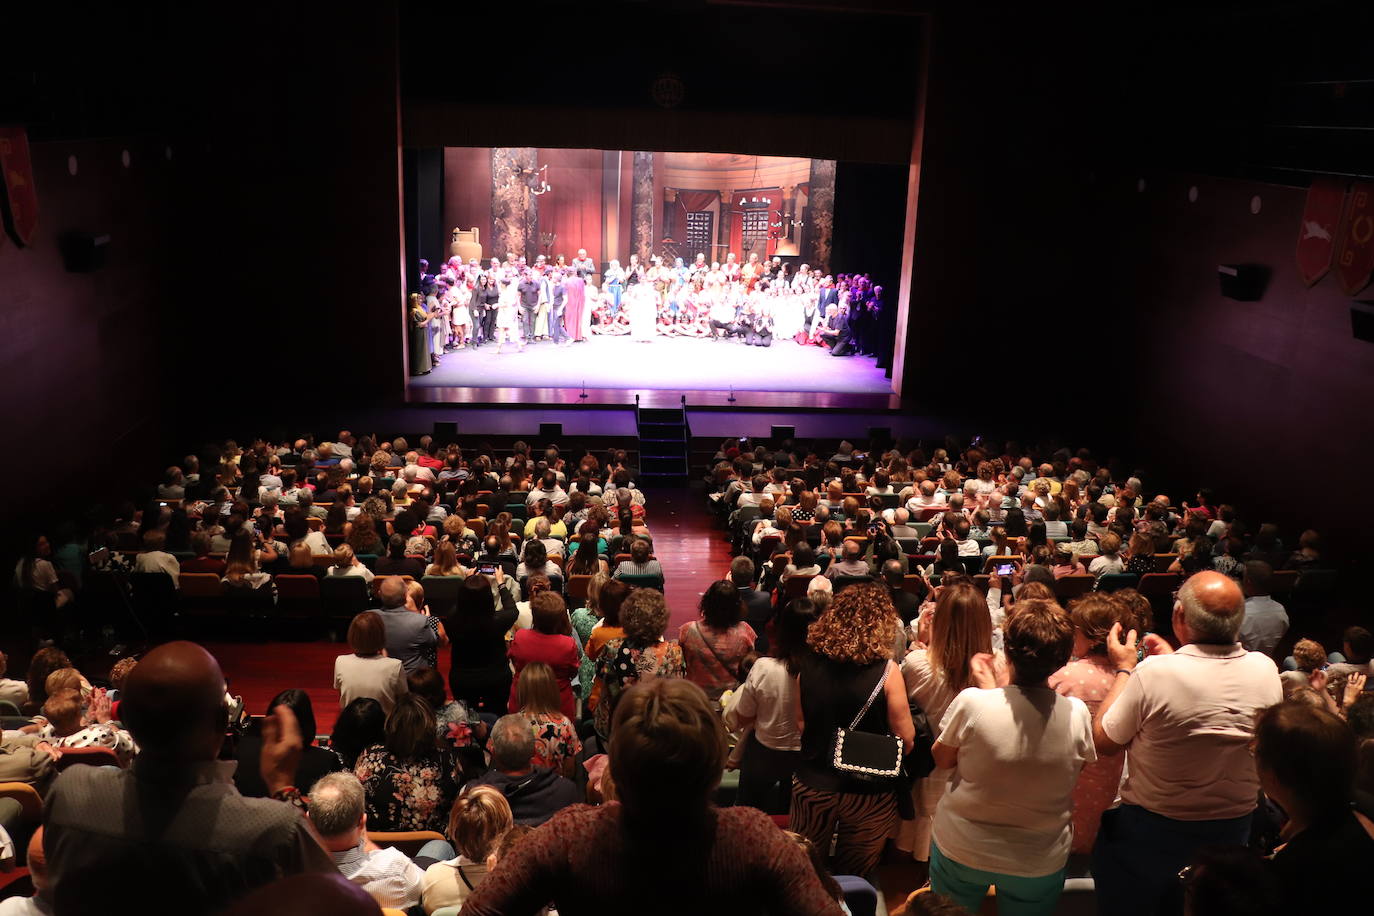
665,364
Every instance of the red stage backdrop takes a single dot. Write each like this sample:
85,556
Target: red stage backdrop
21,197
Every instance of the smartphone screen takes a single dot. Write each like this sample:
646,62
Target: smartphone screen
1005,569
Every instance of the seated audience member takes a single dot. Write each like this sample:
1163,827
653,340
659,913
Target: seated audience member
314,761
40,904
68,728
1307,761
548,489
336,808
360,725
1266,621
534,561
850,562
301,562
1108,561
1230,881
641,655
44,662
408,779
479,671
346,563
1187,717
202,562
1308,657
480,818
535,793
106,827
1016,752
639,563
396,563
666,734
368,671
763,711
715,644
1357,644
556,745
12,690
412,638
445,561
153,559
455,725
27,758
548,640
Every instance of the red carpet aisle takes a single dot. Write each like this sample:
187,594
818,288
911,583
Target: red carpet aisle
693,555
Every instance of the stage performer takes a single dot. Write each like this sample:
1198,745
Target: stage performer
477,309
827,327
437,321
555,292
844,336
751,272
614,283
508,314
642,304
460,316
731,268
582,265
722,314
787,311
759,331
491,295
574,303
421,361
699,268
529,291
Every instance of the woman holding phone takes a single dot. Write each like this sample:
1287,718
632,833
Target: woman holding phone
479,674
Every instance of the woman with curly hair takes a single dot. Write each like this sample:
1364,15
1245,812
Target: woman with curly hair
851,657
640,655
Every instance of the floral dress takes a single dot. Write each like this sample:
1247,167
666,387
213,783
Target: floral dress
404,795
584,621
620,666
555,740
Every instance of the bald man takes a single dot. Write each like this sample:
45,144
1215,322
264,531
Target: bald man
40,904
1187,718
173,826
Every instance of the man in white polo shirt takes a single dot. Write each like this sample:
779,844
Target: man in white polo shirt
1185,719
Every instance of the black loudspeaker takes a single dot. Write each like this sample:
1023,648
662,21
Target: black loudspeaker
550,432
1243,282
83,252
880,434
1362,320
782,433
445,431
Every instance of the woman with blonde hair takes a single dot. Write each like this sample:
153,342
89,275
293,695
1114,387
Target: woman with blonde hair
346,563
480,817
556,745
445,561
850,665
934,672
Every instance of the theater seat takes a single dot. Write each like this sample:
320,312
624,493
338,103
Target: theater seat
1113,581
635,581
407,841
860,896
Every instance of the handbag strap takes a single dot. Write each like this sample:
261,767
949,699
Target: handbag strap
877,688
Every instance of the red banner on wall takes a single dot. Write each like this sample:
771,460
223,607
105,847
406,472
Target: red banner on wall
1321,219
21,197
1355,256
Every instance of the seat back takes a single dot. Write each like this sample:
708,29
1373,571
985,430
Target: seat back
796,586
914,584
1283,581
1163,561
343,596
1156,585
90,756
840,583
441,594
645,581
407,841
30,802
201,585
1067,588
1113,581
578,586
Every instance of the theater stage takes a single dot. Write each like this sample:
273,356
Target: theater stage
614,369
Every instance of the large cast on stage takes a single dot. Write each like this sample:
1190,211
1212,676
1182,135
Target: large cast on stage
513,302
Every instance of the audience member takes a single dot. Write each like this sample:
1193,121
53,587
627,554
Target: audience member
360,725
549,641
730,860
479,672
556,745
1187,717
368,671
714,645
313,763
641,655
412,638
535,793
480,818
1265,621
409,780
120,828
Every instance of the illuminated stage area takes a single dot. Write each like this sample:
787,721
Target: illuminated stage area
666,363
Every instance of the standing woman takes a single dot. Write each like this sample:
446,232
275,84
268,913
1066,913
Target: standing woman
508,316
491,297
714,645
613,284
420,359
851,661
1016,751
479,674
574,300
460,316
764,707
934,673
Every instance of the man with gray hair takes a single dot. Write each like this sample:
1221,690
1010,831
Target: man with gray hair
1186,718
337,811
535,793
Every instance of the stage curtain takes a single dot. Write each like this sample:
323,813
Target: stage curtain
573,208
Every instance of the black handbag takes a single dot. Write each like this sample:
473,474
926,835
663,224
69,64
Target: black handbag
867,755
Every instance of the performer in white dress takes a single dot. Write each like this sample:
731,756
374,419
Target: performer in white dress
787,312
643,308
508,316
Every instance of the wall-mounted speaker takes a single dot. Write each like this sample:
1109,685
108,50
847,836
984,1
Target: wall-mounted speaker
83,252
781,433
1243,282
880,434
550,432
1362,320
445,431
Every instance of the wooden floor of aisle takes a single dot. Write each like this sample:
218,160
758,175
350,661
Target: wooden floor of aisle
693,554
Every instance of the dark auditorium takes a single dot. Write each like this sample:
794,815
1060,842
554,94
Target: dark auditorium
687,458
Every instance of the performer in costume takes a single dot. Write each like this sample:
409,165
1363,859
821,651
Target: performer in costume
583,266
574,300
420,358
508,309
614,284
642,304
731,268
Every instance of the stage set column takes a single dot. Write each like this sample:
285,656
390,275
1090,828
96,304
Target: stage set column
514,210
723,246
642,207
820,222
